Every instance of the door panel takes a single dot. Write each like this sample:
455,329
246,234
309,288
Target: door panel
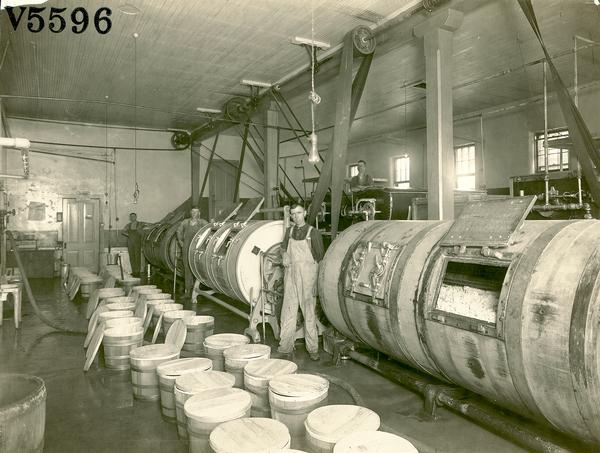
221,185
81,236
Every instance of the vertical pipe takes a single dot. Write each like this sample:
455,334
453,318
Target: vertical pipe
546,166
576,92
482,152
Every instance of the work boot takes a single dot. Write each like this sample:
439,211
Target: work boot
283,355
314,356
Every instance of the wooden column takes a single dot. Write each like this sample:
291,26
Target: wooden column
271,161
195,177
437,33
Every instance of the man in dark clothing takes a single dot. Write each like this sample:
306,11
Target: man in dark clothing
302,250
185,233
134,232
362,179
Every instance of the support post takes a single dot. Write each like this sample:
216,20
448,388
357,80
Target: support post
238,178
210,161
438,32
195,157
271,158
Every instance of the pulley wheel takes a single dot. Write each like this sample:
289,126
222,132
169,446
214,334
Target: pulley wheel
180,140
363,40
234,108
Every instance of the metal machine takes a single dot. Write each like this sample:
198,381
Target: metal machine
503,307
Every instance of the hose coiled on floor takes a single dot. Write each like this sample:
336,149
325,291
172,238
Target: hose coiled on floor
31,299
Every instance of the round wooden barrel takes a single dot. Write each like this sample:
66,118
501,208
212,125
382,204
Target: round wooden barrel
249,435
144,361
198,328
294,396
22,413
103,317
160,247
167,373
190,384
257,375
198,248
88,284
137,288
236,269
237,357
374,442
119,322
480,320
208,409
172,315
120,306
326,425
204,261
214,346
118,342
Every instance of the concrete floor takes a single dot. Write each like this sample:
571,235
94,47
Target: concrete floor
95,411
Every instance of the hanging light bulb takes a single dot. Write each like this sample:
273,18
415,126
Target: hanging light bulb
313,156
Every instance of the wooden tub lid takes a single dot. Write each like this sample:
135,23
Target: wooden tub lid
120,306
268,368
139,287
247,351
130,280
177,334
161,308
155,296
146,291
159,302
119,300
154,351
115,314
90,279
249,435
92,351
123,331
116,322
199,381
225,340
298,385
332,423
198,320
374,442
178,314
179,367
218,405
104,292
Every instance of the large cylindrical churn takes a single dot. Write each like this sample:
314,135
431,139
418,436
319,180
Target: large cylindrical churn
162,249
228,259
22,413
504,307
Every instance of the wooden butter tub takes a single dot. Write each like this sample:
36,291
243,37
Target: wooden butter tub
118,342
198,329
189,385
237,357
167,373
326,425
208,409
294,396
144,361
249,435
216,344
257,375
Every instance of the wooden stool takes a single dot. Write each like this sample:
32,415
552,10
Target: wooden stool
15,290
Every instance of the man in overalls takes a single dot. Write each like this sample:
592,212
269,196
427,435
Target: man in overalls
185,233
302,250
134,232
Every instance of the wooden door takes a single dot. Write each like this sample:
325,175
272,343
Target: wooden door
81,232
221,185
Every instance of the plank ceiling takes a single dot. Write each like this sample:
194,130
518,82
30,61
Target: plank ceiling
193,54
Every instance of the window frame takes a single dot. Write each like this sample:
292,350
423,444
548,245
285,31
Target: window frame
350,168
404,183
472,174
538,151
